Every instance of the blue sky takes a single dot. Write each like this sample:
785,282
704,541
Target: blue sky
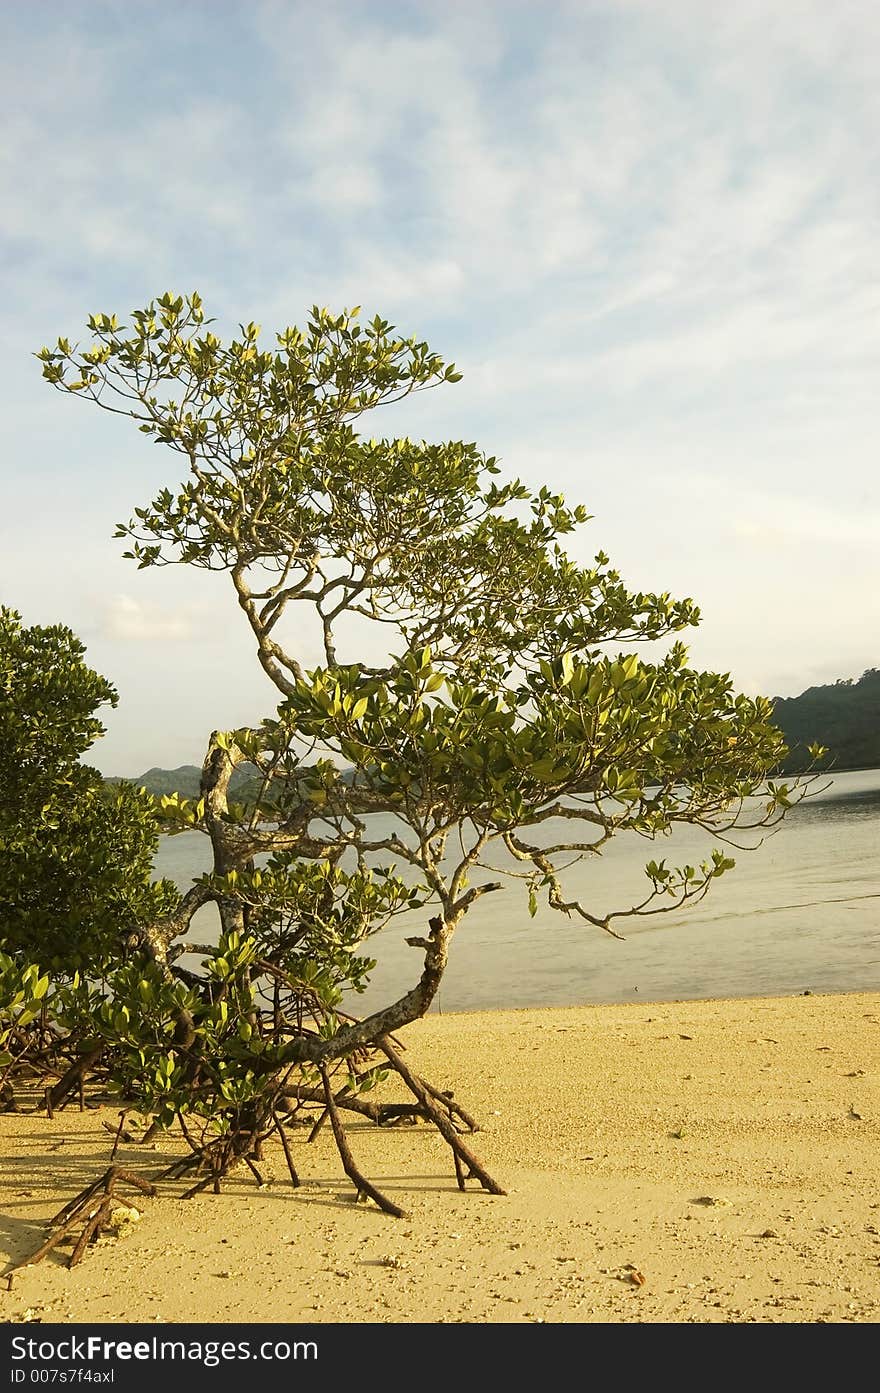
646,231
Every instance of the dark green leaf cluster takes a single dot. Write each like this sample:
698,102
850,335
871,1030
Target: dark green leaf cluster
75,856
309,919
24,992
134,1013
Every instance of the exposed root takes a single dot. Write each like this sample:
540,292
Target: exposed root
211,1158
446,1099
93,1208
216,1156
362,1185
383,1114
288,1155
463,1155
72,1080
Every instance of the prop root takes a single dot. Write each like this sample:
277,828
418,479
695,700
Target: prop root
93,1208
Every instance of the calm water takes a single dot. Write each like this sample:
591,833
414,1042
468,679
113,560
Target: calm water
801,912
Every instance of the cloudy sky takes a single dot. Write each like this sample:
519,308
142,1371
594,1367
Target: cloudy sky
645,230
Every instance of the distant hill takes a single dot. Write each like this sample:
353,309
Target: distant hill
186,780
844,715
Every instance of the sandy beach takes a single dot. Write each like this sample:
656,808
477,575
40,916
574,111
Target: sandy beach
676,1162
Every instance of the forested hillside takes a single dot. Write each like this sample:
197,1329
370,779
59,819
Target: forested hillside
844,716
186,780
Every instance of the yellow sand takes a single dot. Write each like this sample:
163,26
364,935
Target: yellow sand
728,1151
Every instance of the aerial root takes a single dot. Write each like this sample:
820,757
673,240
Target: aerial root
383,1114
213,1160
93,1208
467,1165
363,1186
446,1099
288,1155
72,1080
217,1156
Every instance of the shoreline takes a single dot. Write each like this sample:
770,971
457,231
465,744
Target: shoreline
639,1000
726,1149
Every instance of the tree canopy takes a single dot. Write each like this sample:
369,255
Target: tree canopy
76,859
476,721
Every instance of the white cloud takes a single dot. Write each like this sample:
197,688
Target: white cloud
793,525
129,619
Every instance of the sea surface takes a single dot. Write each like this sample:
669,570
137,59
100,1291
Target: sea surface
801,912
